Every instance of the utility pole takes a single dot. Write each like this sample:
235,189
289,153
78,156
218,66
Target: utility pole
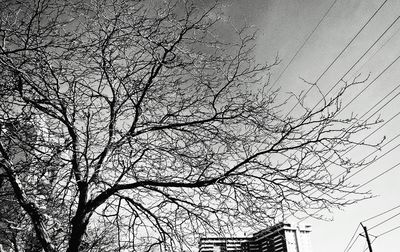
367,237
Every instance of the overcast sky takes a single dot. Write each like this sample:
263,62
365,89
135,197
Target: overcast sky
283,27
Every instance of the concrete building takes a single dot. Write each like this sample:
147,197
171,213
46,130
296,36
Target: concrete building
219,244
283,237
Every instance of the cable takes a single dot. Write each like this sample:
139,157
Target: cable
365,88
360,58
375,216
304,43
381,73
386,153
352,237
369,135
384,221
372,242
391,140
340,54
384,172
376,177
376,52
388,231
369,110
388,28
384,105
362,185
365,246
373,132
375,42
352,244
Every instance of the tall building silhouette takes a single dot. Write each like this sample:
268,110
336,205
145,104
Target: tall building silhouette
283,237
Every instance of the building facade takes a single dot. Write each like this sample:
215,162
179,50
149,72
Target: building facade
218,244
283,237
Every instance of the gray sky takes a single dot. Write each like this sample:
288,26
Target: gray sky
283,26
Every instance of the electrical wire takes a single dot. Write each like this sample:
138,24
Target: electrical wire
381,73
373,132
375,42
352,237
372,242
340,54
363,168
374,178
358,187
372,153
386,153
386,122
380,214
388,231
384,98
376,52
360,58
383,155
373,81
369,135
303,44
352,244
384,233
348,247
384,221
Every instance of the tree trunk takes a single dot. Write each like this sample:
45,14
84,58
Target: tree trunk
80,220
79,225
28,205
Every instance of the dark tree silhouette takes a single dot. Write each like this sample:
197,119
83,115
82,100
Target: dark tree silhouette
147,128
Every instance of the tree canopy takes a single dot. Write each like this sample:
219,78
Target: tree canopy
141,127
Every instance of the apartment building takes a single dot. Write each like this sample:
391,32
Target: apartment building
222,244
283,237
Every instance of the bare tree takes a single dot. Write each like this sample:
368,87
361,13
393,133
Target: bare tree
148,128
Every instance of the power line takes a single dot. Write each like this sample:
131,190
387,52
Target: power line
388,231
376,130
363,168
369,135
363,159
384,233
384,221
386,122
381,100
378,215
376,104
376,177
380,48
375,42
352,237
352,243
358,187
388,28
360,58
303,44
373,81
386,153
372,45
340,54
372,242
